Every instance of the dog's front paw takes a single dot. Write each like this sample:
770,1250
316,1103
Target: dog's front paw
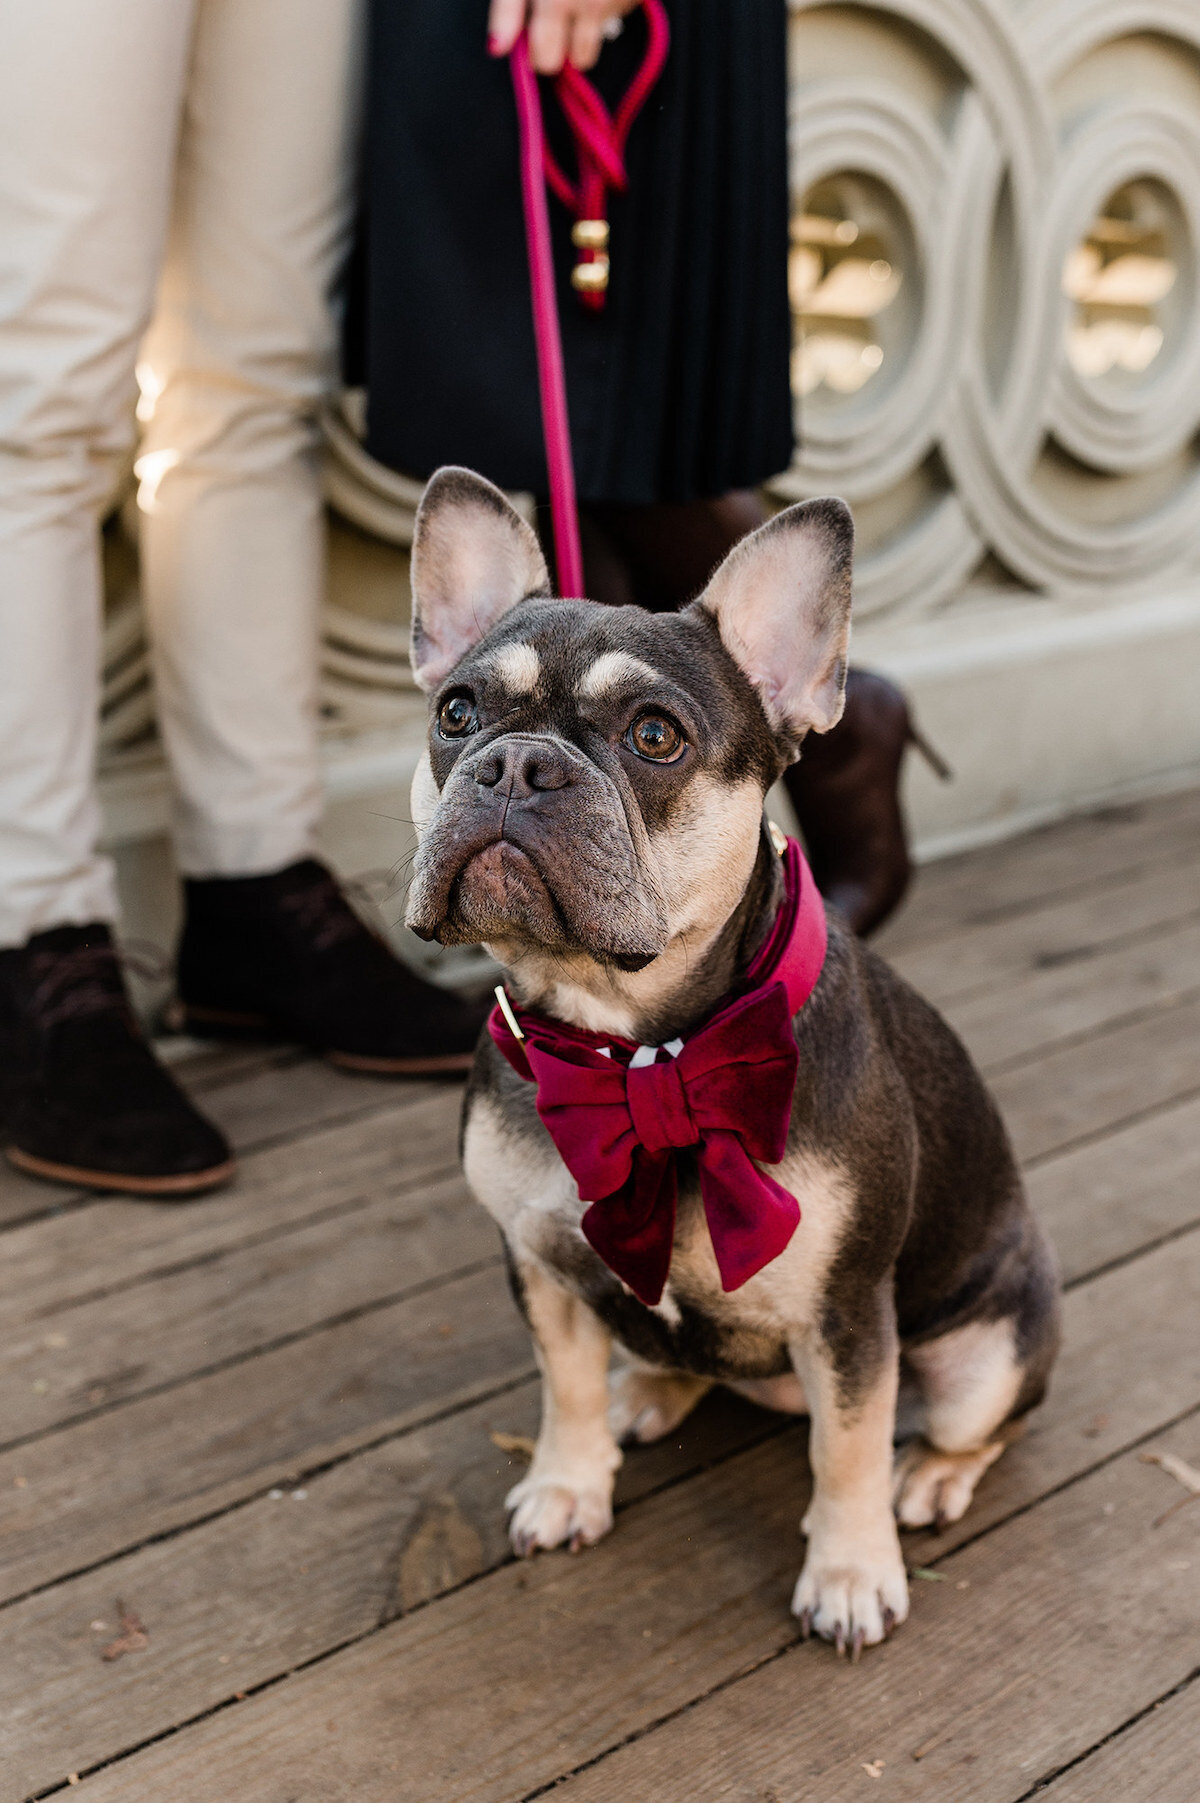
851,1597
546,1513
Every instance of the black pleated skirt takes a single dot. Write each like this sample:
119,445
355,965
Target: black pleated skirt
679,388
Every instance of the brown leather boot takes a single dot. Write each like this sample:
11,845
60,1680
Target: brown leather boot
846,793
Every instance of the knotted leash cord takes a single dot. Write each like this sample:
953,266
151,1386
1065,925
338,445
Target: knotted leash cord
600,149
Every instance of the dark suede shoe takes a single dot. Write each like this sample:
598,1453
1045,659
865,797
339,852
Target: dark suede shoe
846,793
287,955
86,1101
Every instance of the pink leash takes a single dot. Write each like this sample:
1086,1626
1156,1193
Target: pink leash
600,148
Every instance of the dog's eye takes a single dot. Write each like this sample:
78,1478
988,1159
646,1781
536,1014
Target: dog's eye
655,737
457,717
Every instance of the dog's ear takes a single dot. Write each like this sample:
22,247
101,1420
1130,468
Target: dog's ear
781,601
473,557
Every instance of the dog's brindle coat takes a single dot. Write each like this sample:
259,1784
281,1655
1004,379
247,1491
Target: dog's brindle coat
592,808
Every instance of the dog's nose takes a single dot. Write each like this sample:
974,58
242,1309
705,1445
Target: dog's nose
524,767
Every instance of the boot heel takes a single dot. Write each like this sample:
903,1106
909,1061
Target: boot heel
934,759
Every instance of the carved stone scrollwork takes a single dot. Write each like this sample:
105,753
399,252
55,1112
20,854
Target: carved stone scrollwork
1035,398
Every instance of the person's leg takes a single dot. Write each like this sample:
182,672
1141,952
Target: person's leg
89,100
846,786
243,346
88,117
242,352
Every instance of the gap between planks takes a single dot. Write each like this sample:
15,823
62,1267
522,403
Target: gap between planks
1150,1759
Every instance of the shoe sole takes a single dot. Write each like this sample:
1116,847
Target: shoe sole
217,1023
189,1183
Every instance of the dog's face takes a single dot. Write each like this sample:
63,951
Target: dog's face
595,778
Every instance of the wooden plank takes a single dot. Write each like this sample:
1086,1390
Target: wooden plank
1004,1027
104,1485
974,959
1064,858
1104,1200
55,1262
112,1350
24,1199
1084,1089
375,1537
288,1099
522,1677
1154,1761
203,1064
404,1521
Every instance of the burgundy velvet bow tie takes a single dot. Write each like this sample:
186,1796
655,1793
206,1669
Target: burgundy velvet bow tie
618,1113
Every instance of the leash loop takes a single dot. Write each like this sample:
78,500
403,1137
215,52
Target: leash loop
600,138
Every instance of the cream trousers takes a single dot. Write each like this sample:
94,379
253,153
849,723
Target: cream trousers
184,166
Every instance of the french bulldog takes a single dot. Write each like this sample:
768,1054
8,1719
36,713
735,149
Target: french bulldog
591,808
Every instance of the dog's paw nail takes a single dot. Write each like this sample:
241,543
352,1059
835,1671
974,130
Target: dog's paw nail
857,1645
839,1639
889,1619
806,1624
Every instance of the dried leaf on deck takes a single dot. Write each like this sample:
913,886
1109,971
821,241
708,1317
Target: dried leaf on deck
1182,1472
1186,1474
132,1638
520,1443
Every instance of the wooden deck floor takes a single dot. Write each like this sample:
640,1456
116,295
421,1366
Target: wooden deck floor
266,1426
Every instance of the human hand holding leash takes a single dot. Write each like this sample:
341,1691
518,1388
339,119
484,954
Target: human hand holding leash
560,31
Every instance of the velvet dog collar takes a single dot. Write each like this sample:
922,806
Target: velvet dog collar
619,1112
